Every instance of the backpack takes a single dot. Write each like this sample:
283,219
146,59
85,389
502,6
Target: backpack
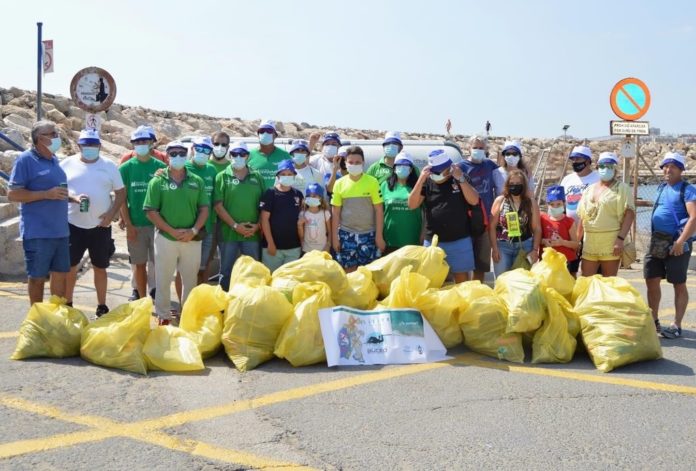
680,224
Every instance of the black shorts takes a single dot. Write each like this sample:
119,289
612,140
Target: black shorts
97,241
672,268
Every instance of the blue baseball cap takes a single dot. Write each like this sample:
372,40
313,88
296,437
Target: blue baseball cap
88,137
203,141
331,136
439,161
392,137
403,158
674,158
555,193
314,188
299,144
286,165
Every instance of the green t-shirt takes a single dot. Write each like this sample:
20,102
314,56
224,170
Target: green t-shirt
219,166
267,165
207,174
240,198
402,226
380,170
178,204
136,176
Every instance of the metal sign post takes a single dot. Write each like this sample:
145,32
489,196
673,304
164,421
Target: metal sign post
39,70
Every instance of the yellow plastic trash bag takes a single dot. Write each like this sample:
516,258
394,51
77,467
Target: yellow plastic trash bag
553,343
523,296
440,308
170,348
361,293
51,329
300,342
552,269
426,261
314,266
469,291
617,325
253,321
201,317
248,272
572,318
484,324
116,339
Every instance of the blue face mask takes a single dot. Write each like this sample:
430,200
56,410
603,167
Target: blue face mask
142,149
477,155
90,153
437,178
556,211
390,150
330,151
606,174
177,163
299,158
402,171
286,180
55,144
200,159
266,139
238,162
312,201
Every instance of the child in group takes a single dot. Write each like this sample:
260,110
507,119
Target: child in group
314,222
557,229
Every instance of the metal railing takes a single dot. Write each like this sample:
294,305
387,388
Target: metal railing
3,175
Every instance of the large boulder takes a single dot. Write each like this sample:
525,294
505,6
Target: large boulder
19,111
62,104
19,123
14,135
56,116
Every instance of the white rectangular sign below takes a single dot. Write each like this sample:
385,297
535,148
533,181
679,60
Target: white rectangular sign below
629,128
386,336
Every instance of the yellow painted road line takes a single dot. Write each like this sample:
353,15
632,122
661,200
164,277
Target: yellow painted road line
471,359
101,428
9,335
7,294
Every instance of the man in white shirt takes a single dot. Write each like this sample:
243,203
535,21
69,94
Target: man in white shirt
306,174
91,179
329,150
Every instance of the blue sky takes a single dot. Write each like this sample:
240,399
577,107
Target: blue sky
527,66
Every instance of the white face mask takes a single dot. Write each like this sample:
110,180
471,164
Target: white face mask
330,151
219,152
355,169
512,160
477,155
286,180
299,158
312,201
437,178
177,163
200,158
238,162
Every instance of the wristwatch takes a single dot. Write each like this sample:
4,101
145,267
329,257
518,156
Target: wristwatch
194,230
235,225
461,179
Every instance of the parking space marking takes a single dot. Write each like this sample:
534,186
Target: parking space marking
101,428
9,335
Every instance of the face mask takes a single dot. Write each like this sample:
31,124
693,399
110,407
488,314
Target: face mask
55,144
402,171
606,174
90,153
516,190
437,178
579,166
330,151
356,169
556,212
177,163
238,162
312,201
142,150
477,155
299,159
390,150
200,159
266,138
219,152
512,160
286,180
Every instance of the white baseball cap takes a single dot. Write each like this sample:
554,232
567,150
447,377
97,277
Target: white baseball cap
608,158
512,145
673,158
267,124
239,146
89,136
392,137
403,158
581,151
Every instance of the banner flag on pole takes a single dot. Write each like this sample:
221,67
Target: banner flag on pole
48,56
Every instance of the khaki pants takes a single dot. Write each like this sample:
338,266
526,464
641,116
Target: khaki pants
172,256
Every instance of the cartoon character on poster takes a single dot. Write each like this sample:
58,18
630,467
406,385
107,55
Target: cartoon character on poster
350,340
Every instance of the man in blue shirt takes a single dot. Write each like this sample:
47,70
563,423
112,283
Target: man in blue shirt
676,202
40,185
481,171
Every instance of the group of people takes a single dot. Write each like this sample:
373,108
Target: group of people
182,206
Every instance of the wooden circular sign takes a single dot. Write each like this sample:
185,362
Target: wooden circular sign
630,99
93,89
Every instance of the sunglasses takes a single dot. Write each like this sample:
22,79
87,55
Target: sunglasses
238,154
511,154
203,150
265,131
223,144
606,166
178,154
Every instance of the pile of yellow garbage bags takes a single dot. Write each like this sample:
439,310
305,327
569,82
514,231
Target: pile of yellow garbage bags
266,315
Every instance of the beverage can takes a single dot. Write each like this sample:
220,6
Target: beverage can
84,204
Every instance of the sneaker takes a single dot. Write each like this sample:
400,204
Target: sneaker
102,309
671,332
134,295
69,304
163,322
658,327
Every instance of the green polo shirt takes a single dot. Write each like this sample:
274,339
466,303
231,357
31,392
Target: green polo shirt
240,198
136,176
207,173
219,166
381,171
402,225
267,165
178,204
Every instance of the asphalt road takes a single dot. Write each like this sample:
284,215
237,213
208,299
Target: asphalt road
469,413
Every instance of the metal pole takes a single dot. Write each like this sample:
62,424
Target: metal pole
39,71
635,187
